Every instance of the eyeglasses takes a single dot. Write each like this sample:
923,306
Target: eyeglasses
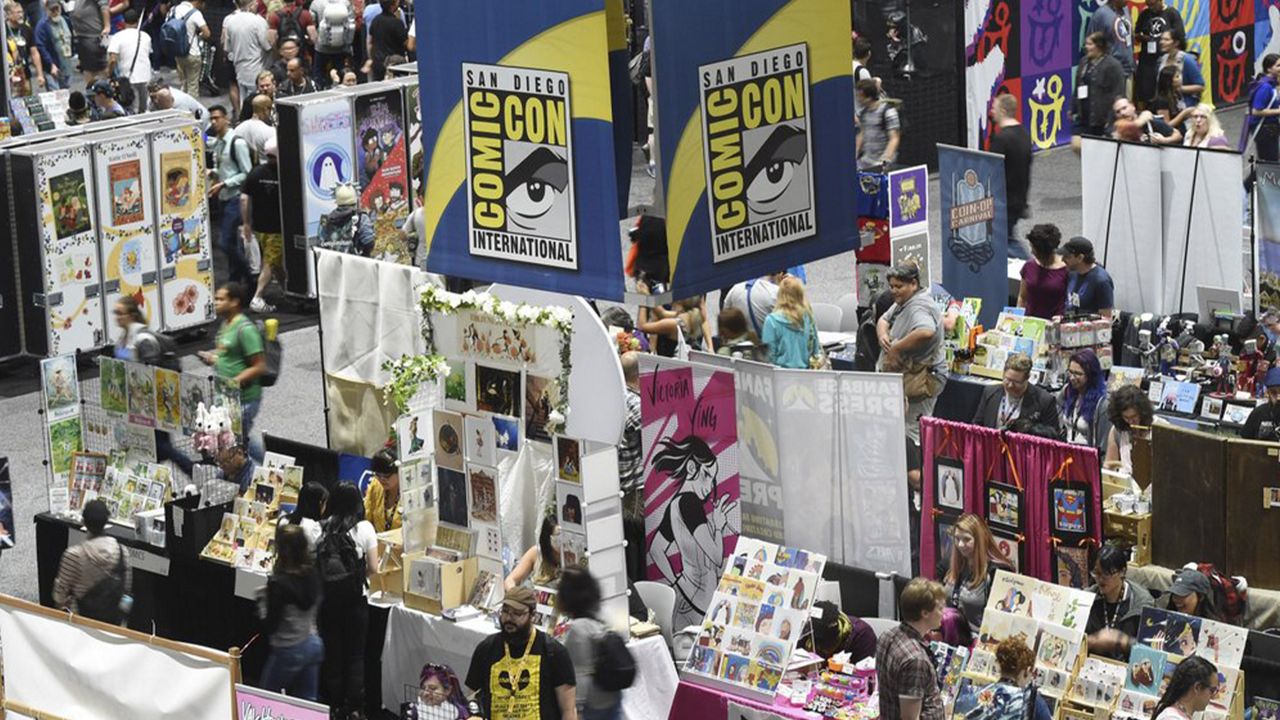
513,614
1077,373
1097,574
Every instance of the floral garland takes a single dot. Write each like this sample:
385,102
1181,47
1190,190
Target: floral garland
409,372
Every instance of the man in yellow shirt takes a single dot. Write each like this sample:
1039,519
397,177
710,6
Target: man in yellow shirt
382,498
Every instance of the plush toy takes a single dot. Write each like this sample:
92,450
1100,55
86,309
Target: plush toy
213,429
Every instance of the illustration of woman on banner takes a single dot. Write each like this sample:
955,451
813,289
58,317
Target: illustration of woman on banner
686,527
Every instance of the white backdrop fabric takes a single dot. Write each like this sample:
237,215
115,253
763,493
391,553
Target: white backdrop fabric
1128,233
75,672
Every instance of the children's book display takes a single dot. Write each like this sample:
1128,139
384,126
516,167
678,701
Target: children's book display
757,614
951,661
1014,333
247,537
1166,637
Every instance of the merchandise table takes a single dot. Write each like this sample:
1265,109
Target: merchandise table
699,701
414,638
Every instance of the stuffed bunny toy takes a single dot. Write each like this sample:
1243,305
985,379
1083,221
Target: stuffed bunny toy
213,429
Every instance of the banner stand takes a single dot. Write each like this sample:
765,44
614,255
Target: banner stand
231,658
1186,240
1111,205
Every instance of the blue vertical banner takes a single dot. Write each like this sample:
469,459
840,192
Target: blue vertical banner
1266,218
755,136
519,144
975,230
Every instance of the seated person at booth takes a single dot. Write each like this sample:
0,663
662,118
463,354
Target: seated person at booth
1131,414
1192,594
542,561
382,498
236,466
1113,621
439,697
1084,402
1015,397
834,632
967,576
1264,421
1013,696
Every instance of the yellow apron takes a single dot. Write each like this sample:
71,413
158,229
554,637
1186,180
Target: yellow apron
514,684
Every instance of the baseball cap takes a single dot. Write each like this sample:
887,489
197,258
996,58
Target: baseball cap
1077,246
101,86
520,597
1187,581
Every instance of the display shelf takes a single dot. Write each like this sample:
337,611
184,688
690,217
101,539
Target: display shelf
1133,528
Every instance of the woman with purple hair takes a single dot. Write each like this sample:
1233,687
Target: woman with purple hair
1084,402
439,696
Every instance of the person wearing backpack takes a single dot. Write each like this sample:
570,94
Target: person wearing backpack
346,555
335,35
292,21
240,356
596,662
93,577
521,651
182,38
129,59
287,606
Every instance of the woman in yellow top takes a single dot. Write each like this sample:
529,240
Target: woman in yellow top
382,498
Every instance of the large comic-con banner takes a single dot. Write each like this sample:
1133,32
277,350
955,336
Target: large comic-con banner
755,148
518,136
1031,48
691,486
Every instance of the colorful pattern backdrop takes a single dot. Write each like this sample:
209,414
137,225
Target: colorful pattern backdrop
1031,48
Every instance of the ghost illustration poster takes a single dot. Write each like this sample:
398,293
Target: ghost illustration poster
691,487
141,393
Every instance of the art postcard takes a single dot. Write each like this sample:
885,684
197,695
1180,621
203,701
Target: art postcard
112,387
498,391
61,387
484,493
447,431
168,400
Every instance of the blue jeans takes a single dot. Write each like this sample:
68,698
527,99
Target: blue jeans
229,239
249,413
294,669
609,713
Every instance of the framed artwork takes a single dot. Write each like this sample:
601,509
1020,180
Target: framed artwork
1004,505
1211,408
949,477
498,391
1235,414
1011,548
944,536
1069,509
1071,566
448,433
568,459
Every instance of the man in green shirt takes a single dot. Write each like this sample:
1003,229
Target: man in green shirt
239,356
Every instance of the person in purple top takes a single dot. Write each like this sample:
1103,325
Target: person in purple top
1044,277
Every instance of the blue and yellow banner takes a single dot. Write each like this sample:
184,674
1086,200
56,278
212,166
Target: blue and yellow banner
755,136
517,126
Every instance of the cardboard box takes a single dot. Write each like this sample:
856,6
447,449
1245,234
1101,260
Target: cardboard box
456,580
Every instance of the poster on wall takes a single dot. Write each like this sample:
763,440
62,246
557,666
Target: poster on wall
690,440
130,267
909,201
186,262
755,168
383,169
519,145
974,227
1266,223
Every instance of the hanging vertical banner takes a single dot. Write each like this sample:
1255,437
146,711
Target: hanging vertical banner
974,227
755,148
623,98
909,201
761,482
519,144
691,490
383,168
1266,223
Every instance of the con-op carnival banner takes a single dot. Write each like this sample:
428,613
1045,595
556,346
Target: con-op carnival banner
975,232
691,490
754,101
517,126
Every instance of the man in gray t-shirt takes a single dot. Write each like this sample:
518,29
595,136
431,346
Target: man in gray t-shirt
910,334
91,25
1112,19
879,131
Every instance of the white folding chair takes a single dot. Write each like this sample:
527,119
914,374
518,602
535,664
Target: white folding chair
661,599
829,590
880,625
848,304
827,317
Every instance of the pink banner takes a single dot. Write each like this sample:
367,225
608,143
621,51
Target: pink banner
691,487
255,704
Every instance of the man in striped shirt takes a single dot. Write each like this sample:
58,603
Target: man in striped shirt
93,575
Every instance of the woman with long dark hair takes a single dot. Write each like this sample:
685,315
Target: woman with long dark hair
288,609
309,511
1084,402
1193,685
1043,291
1170,103
344,613
687,528
542,561
578,598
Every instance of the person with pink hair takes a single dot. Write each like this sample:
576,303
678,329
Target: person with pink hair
439,696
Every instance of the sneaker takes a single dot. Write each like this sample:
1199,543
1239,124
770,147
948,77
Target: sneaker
259,305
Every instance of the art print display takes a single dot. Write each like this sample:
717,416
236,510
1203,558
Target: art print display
1099,682
569,506
142,394
71,211
112,386
995,701
1221,644
383,169
61,387
689,433
183,227
447,429
456,386
195,390
481,439
1071,566
1146,670
1010,548
506,433
568,455
1070,509
1004,505
949,476
1170,631
452,486
226,395
573,548
65,439
168,395
540,395
130,268
756,614
413,142
413,435
486,338
483,484
498,391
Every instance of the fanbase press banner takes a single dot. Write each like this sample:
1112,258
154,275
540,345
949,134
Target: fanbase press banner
756,167
519,142
691,489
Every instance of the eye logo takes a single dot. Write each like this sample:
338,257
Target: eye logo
520,195
757,149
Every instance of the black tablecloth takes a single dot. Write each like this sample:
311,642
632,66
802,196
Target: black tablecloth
960,396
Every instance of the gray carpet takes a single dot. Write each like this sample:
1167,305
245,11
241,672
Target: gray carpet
294,407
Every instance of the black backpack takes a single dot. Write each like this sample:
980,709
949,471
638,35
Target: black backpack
615,667
339,563
102,601
288,24
156,348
